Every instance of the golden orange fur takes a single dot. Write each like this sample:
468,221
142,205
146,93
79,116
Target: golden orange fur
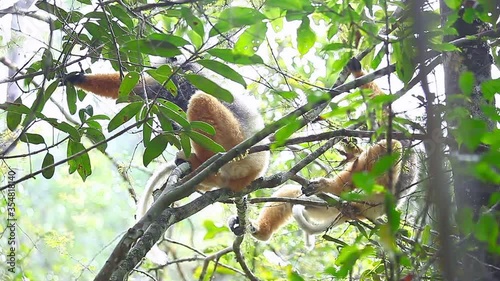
276,214
229,130
314,220
105,85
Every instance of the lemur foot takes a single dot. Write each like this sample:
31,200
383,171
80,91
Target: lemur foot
313,187
180,158
235,226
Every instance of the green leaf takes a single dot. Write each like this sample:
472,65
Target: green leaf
151,47
334,240
250,40
46,94
205,141
467,82
229,56
384,164
489,88
121,14
212,229
377,59
174,116
127,113
172,39
426,235
369,6
471,131
81,163
64,127
13,120
393,215
236,17
286,131
334,47
210,87
32,138
465,220
294,276
223,70
47,161
443,47
289,95
453,4
71,98
193,22
292,5
487,229
147,130
186,144
96,136
203,126
161,75
128,83
154,149
305,36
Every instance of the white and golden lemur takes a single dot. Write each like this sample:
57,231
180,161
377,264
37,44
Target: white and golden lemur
314,220
233,123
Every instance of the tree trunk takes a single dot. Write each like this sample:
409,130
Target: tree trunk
476,263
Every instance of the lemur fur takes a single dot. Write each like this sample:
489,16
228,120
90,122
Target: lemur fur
233,123
314,220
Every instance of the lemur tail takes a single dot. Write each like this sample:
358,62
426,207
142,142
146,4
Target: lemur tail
108,85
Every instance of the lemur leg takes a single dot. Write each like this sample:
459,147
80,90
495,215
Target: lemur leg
343,180
372,207
228,133
275,214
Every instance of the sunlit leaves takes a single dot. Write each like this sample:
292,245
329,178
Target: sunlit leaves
121,14
236,17
291,5
305,37
453,4
250,40
213,230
